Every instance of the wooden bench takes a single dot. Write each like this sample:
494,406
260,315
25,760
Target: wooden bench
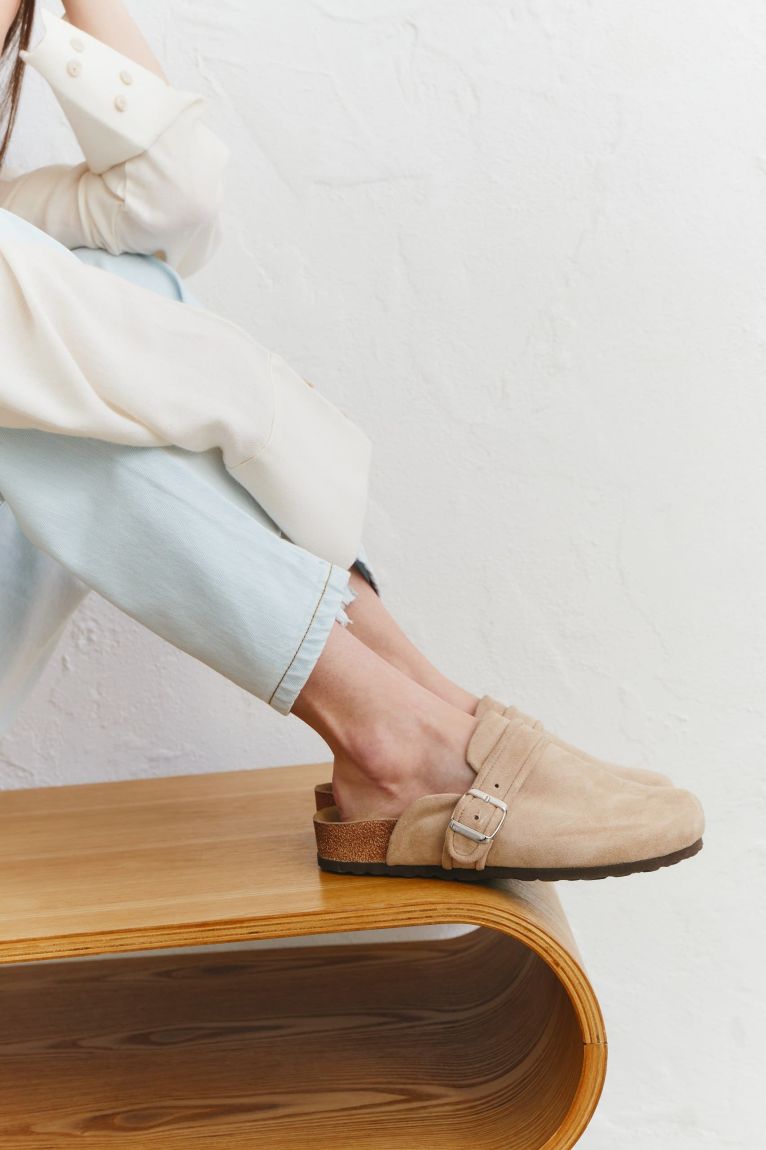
490,1038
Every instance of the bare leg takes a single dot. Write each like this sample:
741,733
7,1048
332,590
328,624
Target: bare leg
379,631
392,739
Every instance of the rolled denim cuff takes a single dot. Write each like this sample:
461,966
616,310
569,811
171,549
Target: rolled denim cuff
336,595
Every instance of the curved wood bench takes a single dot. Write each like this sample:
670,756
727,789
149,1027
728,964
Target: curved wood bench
492,1038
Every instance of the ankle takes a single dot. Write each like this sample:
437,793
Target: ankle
399,757
390,744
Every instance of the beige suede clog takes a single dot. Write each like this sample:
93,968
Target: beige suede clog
536,811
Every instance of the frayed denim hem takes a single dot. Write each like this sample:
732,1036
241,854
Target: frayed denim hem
336,595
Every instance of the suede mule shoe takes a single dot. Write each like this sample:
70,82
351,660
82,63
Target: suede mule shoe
535,812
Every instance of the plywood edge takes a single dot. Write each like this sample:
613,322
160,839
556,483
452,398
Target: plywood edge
469,909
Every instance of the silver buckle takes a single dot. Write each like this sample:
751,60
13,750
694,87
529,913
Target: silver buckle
469,832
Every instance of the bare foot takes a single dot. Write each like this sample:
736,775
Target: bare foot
407,757
392,739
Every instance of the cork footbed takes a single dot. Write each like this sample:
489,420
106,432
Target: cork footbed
360,847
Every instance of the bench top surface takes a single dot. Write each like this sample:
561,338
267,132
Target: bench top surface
195,859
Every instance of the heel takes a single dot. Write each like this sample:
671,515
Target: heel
357,842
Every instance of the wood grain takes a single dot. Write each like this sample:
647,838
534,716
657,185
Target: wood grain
491,1039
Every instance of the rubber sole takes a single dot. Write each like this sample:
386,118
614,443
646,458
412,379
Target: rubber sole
558,874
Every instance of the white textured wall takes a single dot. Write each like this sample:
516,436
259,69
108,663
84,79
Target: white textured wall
524,242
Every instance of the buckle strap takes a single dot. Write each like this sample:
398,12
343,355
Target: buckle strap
480,813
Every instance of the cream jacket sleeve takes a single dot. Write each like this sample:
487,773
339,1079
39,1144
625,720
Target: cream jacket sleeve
151,181
86,353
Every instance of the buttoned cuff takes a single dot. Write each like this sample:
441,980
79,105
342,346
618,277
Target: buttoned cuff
116,107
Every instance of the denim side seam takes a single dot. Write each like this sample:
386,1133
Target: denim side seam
336,594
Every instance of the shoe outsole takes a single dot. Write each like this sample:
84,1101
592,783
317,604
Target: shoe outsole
533,874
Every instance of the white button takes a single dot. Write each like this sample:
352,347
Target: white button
126,76
74,67
120,103
77,45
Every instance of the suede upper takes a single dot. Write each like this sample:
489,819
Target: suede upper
562,811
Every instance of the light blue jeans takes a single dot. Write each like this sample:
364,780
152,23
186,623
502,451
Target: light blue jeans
166,535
